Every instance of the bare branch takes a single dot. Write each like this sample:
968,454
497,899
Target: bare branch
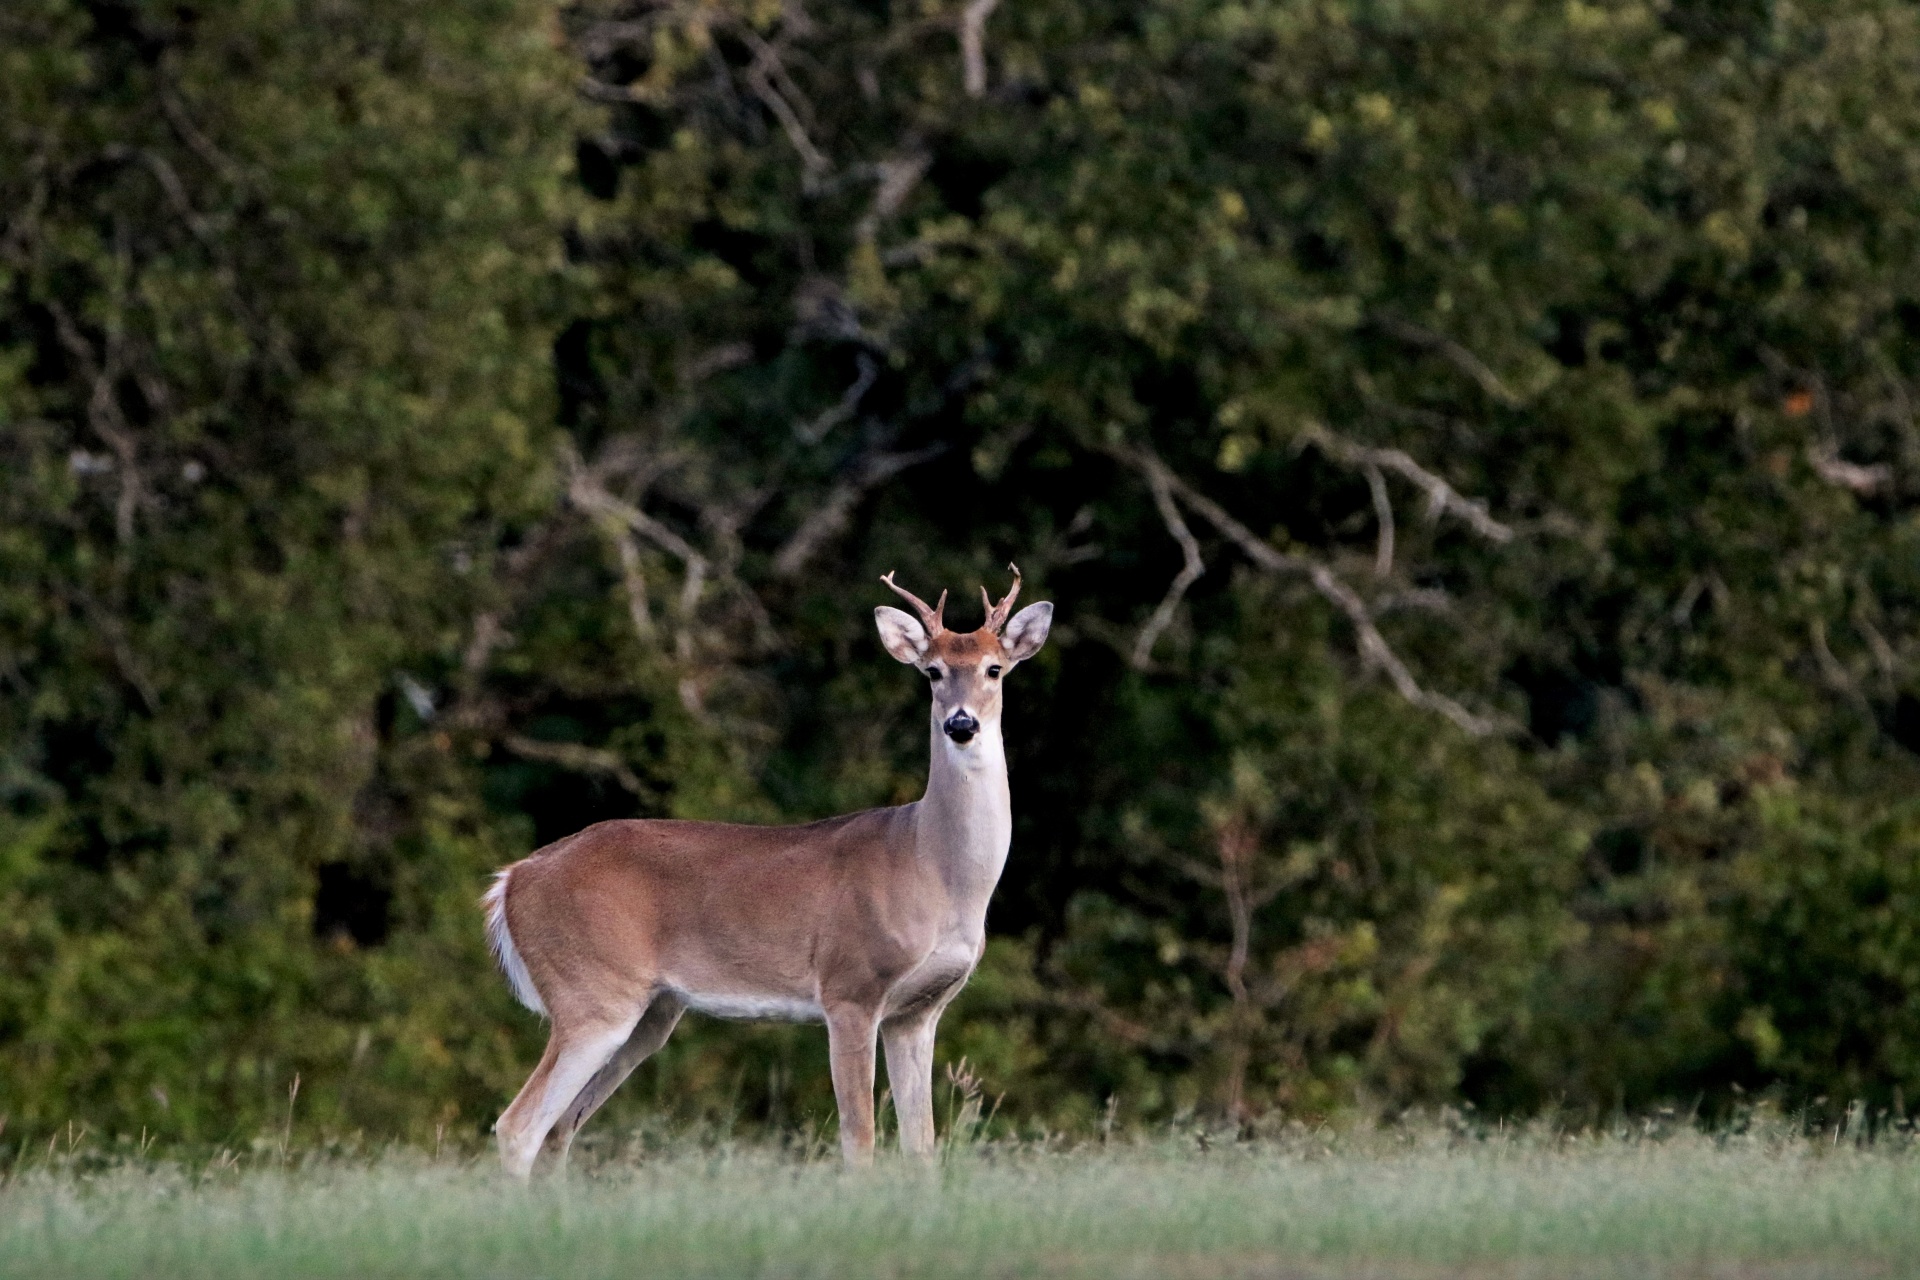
1835,672
1689,597
1442,498
821,309
1237,843
1374,649
622,519
1823,455
717,359
1453,353
828,519
816,431
1413,415
1192,566
1884,658
575,756
1426,599
113,630
104,413
196,139
197,225
600,40
1383,515
973,41
518,569
633,577
23,222
1115,1024
176,191
488,635
1865,481
1059,551
587,492
761,74
600,91
897,181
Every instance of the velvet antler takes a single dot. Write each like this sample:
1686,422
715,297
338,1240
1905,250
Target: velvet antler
997,613
929,618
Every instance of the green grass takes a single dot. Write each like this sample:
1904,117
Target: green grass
1388,1204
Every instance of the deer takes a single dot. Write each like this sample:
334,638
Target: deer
870,923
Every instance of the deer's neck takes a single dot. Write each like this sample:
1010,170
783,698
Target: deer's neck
966,818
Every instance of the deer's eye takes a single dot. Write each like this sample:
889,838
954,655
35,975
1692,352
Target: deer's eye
933,673
993,672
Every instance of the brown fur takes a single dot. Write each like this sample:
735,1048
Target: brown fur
869,922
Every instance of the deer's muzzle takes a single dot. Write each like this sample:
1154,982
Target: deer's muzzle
961,727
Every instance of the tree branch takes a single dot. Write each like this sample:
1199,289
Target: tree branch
1192,566
873,470
196,139
867,373
1836,673
761,72
588,493
577,757
1442,498
1374,649
176,191
1824,457
897,181
1884,656
1823,454
104,413
114,632
1453,353
470,708
600,40
633,577
488,635
973,41
1383,516
622,520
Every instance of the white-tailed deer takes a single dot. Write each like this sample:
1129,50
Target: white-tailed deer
870,923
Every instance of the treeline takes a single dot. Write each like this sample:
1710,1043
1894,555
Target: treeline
1472,448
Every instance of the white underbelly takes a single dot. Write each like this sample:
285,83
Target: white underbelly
755,1008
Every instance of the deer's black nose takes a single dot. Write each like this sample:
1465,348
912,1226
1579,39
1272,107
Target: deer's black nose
961,727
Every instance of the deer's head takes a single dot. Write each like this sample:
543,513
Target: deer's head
965,668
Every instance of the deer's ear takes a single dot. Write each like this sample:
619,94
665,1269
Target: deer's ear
902,635
1028,631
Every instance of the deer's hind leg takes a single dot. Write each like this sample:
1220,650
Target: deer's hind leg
655,1025
577,1049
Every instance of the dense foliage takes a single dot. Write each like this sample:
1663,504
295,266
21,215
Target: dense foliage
1472,448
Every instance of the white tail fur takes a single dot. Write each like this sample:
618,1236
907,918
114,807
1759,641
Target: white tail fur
501,939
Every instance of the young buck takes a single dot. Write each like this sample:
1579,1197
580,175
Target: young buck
870,923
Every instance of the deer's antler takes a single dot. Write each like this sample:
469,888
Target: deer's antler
997,613
932,618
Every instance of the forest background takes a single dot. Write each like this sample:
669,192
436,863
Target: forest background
1471,445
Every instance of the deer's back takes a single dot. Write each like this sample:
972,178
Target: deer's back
715,910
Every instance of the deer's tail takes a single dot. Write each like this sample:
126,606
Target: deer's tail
500,938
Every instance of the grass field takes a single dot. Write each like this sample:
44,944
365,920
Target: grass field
1391,1203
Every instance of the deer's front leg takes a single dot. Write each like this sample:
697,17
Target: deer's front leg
850,1044
909,1044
